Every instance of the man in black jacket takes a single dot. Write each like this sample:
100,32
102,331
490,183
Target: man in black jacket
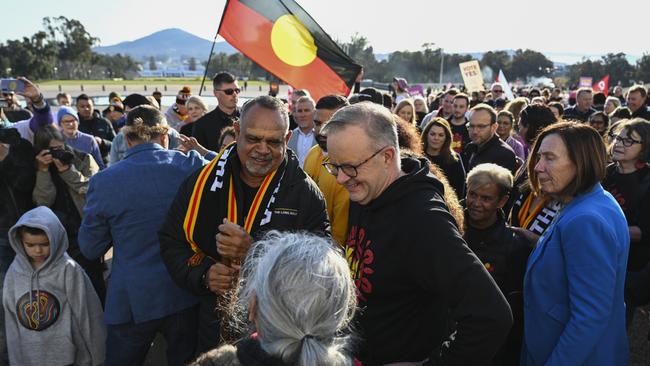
207,129
486,146
583,108
93,124
504,253
413,271
636,102
253,186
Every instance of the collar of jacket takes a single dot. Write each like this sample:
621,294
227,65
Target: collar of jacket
484,237
595,190
142,147
417,177
223,114
474,148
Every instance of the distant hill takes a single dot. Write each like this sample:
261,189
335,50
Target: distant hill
166,43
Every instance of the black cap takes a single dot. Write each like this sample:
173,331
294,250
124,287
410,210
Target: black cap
134,100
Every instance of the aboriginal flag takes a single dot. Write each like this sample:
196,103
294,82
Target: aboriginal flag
282,38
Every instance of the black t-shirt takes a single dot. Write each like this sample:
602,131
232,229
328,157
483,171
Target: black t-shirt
460,137
631,193
455,172
249,196
207,129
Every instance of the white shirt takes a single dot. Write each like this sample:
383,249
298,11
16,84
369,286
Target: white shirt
305,142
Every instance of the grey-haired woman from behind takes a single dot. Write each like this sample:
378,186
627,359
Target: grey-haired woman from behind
297,291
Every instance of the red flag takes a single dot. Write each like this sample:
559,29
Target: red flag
282,38
602,85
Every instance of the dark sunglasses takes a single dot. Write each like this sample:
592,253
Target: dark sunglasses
230,91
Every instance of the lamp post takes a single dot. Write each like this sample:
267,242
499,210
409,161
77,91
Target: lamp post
442,62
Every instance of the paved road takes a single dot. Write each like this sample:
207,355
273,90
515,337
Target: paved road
50,91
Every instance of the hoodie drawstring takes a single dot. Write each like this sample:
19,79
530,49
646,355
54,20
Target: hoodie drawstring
35,276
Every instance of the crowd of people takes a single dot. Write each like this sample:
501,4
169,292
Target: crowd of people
376,229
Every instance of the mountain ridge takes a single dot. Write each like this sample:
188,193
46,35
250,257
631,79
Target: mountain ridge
166,43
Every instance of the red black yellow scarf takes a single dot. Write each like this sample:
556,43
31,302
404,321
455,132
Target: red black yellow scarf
217,194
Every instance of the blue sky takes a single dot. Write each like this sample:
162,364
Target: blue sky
565,26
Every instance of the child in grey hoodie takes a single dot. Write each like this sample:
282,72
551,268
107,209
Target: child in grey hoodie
52,313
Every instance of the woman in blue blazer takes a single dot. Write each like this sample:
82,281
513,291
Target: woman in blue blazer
574,312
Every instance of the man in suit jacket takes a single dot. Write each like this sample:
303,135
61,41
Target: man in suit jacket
125,206
303,136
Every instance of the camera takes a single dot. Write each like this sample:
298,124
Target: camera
9,136
65,156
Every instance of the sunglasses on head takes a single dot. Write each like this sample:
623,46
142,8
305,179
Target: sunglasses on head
230,91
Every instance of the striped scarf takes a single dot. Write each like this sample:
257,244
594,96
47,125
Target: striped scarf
218,194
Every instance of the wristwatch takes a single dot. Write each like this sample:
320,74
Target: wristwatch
38,99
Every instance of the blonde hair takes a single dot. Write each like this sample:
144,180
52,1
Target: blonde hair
144,123
403,103
483,174
195,99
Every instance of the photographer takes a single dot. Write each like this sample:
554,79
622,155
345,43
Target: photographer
62,178
16,183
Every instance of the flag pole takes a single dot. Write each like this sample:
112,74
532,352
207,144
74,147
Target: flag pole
207,65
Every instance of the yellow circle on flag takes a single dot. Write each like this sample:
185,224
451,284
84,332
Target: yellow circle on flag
292,42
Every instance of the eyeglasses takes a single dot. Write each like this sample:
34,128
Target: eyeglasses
349,170
477,127
627,142
229,91
497,91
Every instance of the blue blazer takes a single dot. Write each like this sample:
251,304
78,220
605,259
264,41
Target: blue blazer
574,312
125,206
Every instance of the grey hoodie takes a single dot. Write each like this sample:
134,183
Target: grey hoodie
66,328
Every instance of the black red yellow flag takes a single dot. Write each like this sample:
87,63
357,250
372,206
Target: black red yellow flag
282,38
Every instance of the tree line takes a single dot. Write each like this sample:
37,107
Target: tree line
62,50
424,66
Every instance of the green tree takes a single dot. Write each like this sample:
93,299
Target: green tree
643,68
527,63
192,64
496,60
587,68
73,44
152,63
360,51
618,68
113,66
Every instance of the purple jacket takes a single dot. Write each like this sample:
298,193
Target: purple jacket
518,148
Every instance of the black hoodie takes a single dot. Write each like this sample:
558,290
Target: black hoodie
415,274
